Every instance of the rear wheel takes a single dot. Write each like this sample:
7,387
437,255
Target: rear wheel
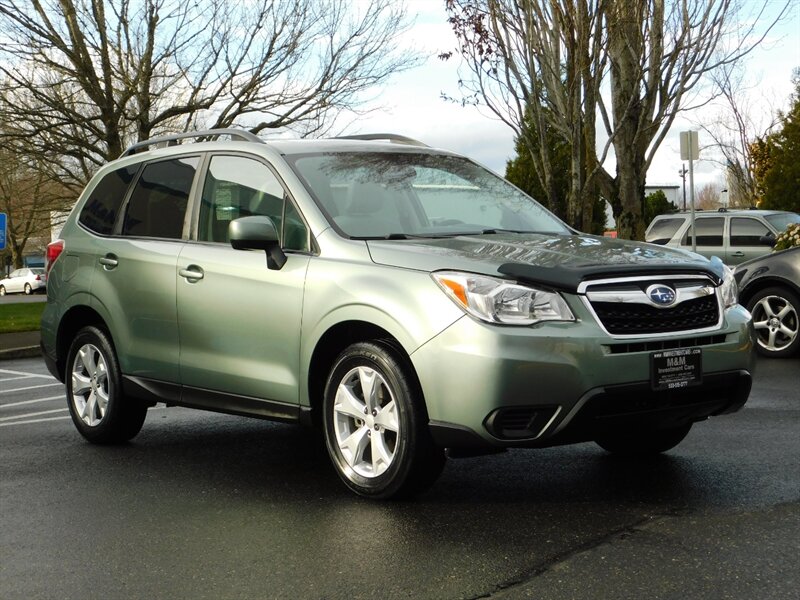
98,408
2,290
643,442
776,320
28,289
376,425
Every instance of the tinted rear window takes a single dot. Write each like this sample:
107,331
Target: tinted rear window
662,231
101,209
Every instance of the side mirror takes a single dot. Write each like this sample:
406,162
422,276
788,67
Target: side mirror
257,233
767,240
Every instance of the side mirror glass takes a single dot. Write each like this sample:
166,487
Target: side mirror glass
257,233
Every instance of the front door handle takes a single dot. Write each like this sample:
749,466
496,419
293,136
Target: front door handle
192,273
109,261
738,254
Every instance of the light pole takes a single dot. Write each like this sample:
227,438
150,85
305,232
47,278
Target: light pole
682,172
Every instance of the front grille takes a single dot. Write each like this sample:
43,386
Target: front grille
642,319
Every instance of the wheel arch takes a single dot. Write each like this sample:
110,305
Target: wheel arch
331,344
761,283
73,320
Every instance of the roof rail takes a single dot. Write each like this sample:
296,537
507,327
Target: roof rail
172,140
389,137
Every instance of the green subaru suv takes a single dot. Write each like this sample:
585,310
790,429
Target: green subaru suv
406,301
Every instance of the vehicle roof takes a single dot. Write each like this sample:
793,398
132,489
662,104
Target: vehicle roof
735,211
288,147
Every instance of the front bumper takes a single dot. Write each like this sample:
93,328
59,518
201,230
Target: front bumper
565,382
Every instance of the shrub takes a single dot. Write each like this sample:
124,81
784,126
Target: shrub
788,239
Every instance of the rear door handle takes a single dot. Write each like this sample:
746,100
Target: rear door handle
191,273
109,261
738,254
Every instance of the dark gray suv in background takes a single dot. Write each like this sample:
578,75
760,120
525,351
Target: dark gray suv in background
403,299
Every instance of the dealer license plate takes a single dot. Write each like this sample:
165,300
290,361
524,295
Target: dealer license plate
676,369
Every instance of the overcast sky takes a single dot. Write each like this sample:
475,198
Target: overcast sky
411,103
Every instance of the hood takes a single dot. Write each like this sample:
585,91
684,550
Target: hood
558,261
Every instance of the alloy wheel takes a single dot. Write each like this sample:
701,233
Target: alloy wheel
90,385
366,423
776,323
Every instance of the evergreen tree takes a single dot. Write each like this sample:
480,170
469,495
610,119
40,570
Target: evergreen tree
777,167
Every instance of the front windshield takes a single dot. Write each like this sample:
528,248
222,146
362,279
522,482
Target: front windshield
781,221
402,194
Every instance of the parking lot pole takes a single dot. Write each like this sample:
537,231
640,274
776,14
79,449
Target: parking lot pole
691,196
690,150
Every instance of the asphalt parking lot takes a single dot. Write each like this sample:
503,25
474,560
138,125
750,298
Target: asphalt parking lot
209,506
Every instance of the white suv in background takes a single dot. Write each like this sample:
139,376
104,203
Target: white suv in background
733,235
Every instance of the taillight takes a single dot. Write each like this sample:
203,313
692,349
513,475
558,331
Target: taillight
38,278
54,250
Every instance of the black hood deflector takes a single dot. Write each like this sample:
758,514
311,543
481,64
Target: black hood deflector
568,278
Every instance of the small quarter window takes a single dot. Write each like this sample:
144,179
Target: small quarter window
157,207
100,212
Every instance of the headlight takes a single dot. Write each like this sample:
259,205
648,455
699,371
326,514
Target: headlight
728,290
498,301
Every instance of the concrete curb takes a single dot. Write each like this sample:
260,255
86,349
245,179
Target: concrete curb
20,344
25,352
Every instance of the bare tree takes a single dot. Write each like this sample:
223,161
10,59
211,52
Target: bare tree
737,124
653,54
708,198
31,202
80,80
535,65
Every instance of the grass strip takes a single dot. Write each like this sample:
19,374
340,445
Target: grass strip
21,316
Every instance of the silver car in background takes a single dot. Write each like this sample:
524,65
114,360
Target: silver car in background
24,280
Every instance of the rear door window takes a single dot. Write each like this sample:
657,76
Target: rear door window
157,207
708,231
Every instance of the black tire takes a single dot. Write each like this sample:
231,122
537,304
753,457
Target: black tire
28,289
415,461
121,418
643,442
771,337
2,290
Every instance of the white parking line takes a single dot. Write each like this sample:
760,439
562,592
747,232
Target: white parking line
31,401
34,421
36,414
23,373
15,378
33,387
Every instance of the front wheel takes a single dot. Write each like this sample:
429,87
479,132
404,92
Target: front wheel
776,320
643,442
99,410
2,290
376,425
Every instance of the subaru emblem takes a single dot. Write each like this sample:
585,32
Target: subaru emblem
661,295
